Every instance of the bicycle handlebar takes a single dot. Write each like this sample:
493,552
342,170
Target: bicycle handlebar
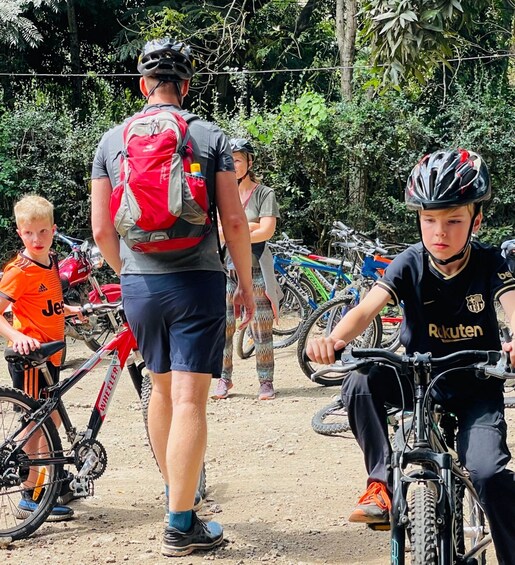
487,363
73,242
88,309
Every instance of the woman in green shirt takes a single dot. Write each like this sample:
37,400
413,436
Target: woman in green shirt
262,211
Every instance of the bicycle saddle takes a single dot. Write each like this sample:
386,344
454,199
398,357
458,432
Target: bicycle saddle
36,357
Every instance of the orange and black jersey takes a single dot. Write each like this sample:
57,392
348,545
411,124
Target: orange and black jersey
37,299
448,313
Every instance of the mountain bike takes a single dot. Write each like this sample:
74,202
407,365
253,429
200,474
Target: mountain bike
434,503
310,282
23,418
304,288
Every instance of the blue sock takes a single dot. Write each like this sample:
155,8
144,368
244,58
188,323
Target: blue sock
167,497
181,520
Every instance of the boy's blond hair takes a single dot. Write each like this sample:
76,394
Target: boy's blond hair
32,208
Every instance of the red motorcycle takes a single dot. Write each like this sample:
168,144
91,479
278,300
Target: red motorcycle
80,286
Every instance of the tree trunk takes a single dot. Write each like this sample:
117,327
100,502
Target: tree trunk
346,38
74,53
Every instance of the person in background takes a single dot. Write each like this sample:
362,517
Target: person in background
31,285
175,301
261,209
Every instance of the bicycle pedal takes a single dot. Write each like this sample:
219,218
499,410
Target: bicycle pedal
379,527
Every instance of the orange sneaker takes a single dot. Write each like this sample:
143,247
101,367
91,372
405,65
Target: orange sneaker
373,507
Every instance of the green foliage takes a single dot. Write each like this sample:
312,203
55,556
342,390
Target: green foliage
15,28
45,149
314,153
408,36
412,40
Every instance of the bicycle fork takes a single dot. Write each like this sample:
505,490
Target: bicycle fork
427,460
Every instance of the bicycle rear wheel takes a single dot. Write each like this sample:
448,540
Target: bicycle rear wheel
21,471
469,524
321,323
391,320
293,311
146,393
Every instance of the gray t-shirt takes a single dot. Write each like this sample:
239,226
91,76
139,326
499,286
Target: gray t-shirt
261,204
212,151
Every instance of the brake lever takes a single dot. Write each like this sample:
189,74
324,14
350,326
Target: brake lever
501,370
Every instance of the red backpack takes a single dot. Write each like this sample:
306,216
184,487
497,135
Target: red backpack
160,204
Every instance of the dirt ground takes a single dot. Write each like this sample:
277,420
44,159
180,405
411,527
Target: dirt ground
281,491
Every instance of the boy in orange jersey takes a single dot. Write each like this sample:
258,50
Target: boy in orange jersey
31,285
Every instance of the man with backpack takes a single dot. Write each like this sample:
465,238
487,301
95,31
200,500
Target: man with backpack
158,181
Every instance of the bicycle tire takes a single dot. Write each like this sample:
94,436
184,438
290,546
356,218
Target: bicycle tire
323,423
469,522
321,322
391,320
422,529
245,346
293,312
308,288
146,392
14,405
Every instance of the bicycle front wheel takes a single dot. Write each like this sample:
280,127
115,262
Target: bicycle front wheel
423,536
321,323
21,472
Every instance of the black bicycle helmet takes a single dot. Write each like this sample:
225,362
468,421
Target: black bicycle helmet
166,59
241,146
445,179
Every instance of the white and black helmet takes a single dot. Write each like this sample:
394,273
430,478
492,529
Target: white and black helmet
167,60
446,179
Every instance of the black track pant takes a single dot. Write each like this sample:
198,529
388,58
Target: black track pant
481,438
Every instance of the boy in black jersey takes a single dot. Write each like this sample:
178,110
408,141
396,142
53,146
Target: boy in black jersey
448,286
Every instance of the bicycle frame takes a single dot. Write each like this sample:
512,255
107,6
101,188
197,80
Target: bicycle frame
123,350
311,268
431,465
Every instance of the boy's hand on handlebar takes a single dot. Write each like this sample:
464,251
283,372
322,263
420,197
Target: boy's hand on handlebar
509,347
74,311
322,349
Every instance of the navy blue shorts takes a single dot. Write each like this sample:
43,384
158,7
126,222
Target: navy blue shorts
178,319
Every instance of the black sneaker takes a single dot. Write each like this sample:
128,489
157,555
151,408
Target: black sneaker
201,535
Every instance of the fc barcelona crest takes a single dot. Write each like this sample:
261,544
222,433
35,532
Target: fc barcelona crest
475,303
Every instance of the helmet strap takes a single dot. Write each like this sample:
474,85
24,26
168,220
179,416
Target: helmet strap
179,92
177,86
153,89
243,177
246,174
